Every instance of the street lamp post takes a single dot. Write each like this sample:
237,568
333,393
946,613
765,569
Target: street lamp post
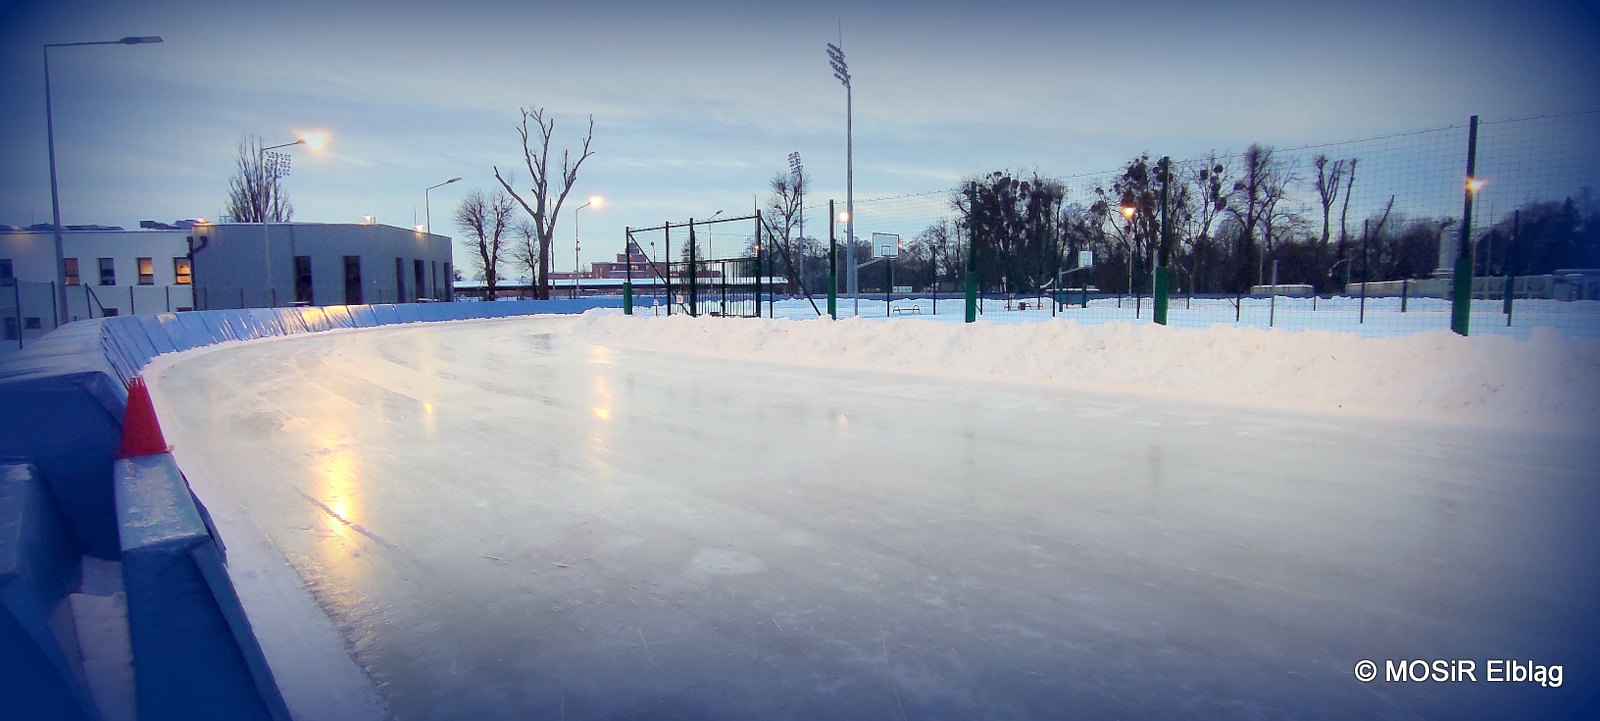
427,209
710,249
842,71
1127,212
50,137
595,201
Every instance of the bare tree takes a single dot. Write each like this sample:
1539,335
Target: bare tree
525,252
1344,214
1278,218
1330,175
544,209
1212,180
1261,185
485,219
255,192
783,210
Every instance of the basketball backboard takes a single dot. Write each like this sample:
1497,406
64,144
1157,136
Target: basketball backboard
885,245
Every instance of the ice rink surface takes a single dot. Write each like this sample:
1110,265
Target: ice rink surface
505,522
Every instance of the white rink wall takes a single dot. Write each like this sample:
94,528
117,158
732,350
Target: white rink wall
1546,382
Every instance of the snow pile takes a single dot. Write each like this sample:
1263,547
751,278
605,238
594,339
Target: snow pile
1546,381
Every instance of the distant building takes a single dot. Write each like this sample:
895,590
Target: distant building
109,271
248,265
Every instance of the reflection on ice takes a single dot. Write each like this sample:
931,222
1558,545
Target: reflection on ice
605,534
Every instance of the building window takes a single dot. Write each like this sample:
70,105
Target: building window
302,281
71,270
108,271
352,280
422,284
399,280
5,269
449,280
32,323
147,271
11,328
182,273
433,270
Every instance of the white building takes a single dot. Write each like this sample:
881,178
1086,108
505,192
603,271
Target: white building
197,265
110,271
246,265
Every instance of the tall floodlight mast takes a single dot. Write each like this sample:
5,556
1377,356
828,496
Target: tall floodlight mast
842,72
800,206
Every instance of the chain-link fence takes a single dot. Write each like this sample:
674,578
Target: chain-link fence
1360,235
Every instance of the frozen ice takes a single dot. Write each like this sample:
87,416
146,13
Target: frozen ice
508,519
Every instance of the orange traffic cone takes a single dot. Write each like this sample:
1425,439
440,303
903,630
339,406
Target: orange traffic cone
141,432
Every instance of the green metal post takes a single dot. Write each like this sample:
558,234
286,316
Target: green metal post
760,270
1159,282
833,265
1461,298
627,282
694,297
972,253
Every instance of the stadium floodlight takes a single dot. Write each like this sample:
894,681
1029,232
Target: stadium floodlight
841,71
50,140
276,165
799,172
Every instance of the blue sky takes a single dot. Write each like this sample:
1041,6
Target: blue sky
697,105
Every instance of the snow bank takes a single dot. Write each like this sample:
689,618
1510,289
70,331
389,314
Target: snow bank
1545,382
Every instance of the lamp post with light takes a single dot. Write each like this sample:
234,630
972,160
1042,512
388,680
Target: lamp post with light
1461,280
710,250
595,201
1128,212
50,139
427,209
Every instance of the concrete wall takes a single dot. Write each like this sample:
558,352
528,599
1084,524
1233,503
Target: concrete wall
241,265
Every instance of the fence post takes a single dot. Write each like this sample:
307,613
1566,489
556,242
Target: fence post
833,265
1461,297
1516,228
972,253
1365,267
627,281
694,273
1272,304
1159,281
16,295
666,244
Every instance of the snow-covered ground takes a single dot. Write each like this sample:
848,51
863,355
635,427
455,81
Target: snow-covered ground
1549,381
603,516
1375,317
